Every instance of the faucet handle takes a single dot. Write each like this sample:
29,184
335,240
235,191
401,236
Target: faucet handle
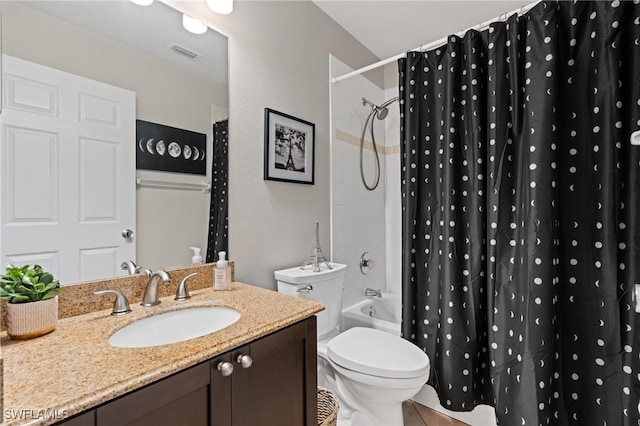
182,293
120,304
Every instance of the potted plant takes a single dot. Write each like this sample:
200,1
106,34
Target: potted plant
32,296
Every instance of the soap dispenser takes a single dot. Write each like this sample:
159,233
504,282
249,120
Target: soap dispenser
222,273
196,259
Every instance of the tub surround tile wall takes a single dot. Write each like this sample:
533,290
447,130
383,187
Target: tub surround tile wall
78,299
357,215
346,137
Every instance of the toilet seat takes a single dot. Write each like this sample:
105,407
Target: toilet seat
377,353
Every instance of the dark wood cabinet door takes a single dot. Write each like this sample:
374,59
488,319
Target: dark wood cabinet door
84,419
179,400
220,392
280,386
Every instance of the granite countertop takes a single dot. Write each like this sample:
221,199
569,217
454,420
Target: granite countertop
74,368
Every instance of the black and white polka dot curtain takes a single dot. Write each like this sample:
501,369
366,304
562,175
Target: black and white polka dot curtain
218,218
521,214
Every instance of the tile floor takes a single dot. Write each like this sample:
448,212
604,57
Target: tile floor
418,415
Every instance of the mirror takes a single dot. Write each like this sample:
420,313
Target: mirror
145,50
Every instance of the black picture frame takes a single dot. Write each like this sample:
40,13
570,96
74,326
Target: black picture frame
169,149
289,148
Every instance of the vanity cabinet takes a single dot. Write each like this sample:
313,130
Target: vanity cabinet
276,386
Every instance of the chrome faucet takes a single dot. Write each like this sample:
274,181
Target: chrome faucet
150,297
371,292
130,266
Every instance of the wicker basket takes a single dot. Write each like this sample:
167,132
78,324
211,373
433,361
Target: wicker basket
327,408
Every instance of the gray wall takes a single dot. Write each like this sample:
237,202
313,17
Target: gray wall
279,58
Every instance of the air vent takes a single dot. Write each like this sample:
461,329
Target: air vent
184,51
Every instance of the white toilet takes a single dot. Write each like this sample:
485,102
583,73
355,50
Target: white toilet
370,370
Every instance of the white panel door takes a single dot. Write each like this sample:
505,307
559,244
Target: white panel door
67,179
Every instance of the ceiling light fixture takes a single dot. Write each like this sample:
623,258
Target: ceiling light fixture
193,25
142,2
224,7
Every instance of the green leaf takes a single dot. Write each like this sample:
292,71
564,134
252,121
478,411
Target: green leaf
46,278
49,287
23,289
20,299
49,295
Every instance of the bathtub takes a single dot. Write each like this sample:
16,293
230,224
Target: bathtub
381,313
385,314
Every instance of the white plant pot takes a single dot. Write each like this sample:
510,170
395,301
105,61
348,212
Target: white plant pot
29,320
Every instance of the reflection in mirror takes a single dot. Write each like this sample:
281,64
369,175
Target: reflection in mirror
76,76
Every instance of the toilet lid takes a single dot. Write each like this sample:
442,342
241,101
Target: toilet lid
377,353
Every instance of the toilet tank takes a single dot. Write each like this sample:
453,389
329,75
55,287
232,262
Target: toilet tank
325,287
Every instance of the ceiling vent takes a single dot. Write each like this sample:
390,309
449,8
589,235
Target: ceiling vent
184,51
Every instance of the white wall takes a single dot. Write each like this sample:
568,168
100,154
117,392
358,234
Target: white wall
279,58
168,221
358,215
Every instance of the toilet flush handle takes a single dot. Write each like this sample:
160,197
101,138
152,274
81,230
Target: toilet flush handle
305,289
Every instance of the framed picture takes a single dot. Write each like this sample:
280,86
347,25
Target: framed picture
289,147
169,149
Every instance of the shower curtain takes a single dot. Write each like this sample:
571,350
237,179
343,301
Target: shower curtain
218,218
521,222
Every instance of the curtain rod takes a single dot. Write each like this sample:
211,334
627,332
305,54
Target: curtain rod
434,44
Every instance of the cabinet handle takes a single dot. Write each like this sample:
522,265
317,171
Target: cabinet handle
245,361
225,368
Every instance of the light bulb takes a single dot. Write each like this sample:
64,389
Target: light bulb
142,2
193,25
223,7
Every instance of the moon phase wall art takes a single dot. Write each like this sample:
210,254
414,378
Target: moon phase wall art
169,149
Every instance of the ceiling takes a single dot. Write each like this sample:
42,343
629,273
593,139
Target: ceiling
390,27
151,29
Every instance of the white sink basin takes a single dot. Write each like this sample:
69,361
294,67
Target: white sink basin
173,327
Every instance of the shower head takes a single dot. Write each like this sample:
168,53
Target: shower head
381,111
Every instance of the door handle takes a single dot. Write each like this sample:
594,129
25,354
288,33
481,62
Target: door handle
127,234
